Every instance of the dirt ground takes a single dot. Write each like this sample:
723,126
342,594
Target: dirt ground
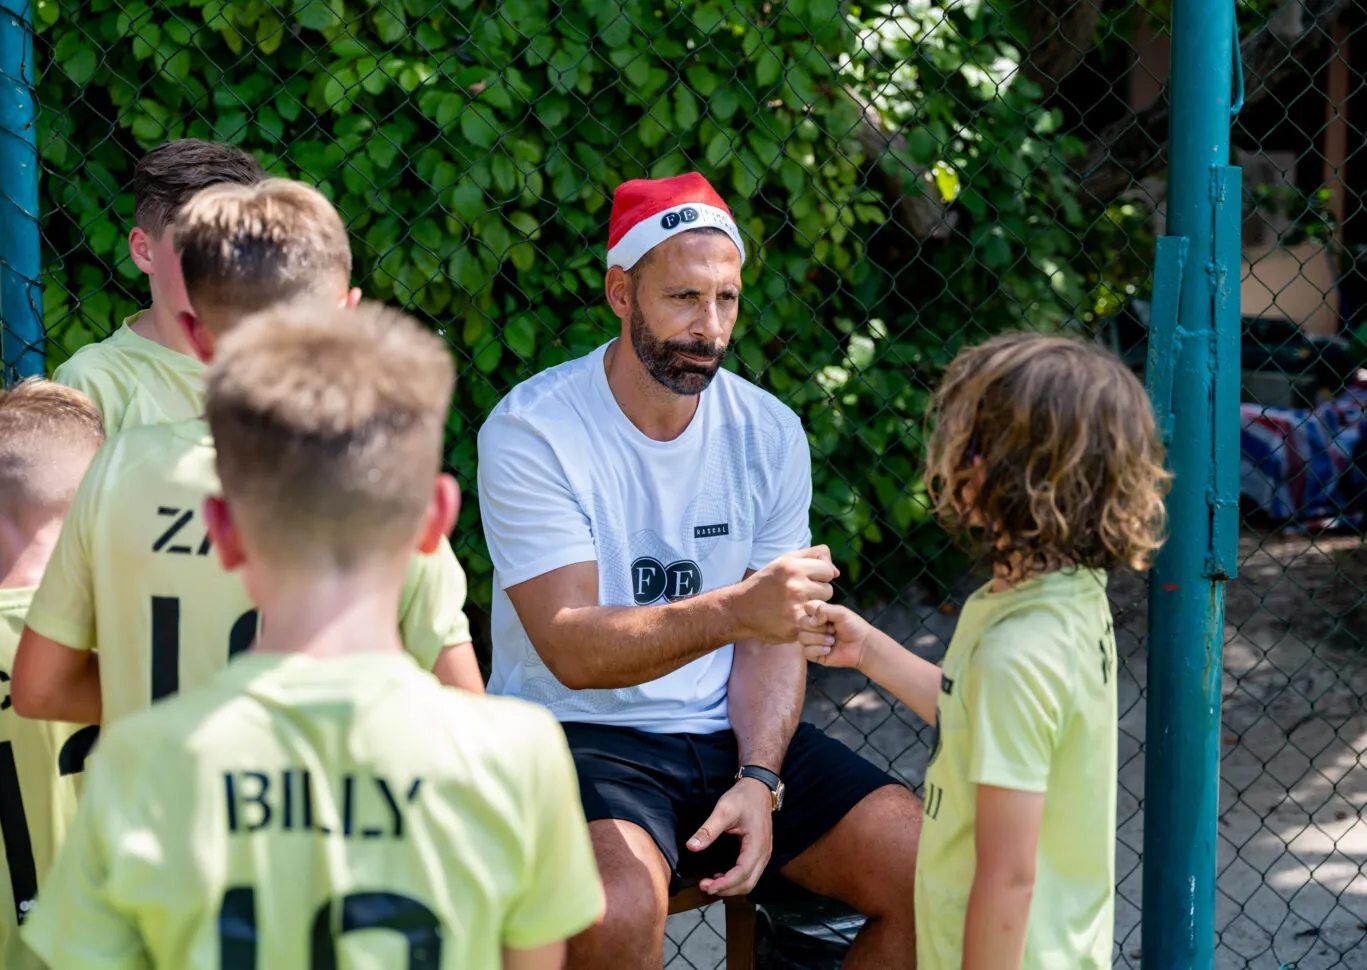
1293,839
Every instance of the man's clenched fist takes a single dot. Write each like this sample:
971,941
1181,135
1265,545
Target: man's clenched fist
771,602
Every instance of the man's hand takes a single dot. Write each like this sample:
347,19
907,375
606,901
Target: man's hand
834,636
771,603
745,811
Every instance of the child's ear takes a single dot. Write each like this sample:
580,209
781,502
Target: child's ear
442,512
222,533
353,297
140,247
197,335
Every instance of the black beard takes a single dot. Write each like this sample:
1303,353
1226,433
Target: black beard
661,358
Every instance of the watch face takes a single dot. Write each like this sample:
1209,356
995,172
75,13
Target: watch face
778,796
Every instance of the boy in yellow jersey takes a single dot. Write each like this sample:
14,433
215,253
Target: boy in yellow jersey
324,803
133,573
48,434
1045,449
144,373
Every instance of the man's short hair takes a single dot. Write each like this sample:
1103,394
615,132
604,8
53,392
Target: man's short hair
48,434
329,425
245,248
169,175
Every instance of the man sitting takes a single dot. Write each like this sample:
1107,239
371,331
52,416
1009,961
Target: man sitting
647,514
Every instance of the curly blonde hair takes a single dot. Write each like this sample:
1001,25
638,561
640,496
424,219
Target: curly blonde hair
1045,452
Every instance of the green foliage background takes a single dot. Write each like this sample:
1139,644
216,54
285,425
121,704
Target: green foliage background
473,146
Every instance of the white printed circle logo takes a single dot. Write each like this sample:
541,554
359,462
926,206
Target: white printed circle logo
651,580
671,220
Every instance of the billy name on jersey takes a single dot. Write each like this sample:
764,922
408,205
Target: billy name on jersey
371,807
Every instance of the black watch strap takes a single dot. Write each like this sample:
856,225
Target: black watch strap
769,778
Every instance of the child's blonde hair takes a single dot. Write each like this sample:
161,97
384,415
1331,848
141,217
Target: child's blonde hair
328,424
1045,449
48,434
246,248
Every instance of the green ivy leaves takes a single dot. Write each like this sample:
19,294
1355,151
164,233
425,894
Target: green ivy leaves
473,147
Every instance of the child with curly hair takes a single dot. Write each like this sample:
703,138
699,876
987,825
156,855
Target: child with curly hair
1045,455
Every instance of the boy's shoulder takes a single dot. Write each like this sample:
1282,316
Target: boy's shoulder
160,744
526,719
1046,626
174,453
120,363
1054,602
510,729
506,745
156,742
135,381
178,436
254,682
102,355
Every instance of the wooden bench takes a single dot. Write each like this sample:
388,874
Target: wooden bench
740,922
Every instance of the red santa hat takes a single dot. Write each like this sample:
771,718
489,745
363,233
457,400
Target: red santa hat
646,212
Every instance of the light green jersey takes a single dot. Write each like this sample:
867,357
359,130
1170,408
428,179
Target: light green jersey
135,381
39,766
1027,702
133,574
348,812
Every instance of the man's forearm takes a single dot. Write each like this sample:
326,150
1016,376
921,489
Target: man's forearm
998,913
765,700
608,647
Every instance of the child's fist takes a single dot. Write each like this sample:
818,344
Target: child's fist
832,635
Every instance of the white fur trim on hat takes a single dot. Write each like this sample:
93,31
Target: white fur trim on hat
653,230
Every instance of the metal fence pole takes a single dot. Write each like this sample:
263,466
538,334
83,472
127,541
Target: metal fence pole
1194,347
21,306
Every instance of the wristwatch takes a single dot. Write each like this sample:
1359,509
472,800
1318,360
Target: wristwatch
769,779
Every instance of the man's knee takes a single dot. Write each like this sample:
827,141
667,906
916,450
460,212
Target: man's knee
886,831
888,834
635,914
868,860
635,884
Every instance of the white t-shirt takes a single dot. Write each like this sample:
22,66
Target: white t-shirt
565,477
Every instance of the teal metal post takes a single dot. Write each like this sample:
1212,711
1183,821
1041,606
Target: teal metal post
21,301
1194,381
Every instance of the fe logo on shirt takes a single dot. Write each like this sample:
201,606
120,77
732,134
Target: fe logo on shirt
652,580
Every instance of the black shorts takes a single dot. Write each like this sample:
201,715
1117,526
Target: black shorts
669,784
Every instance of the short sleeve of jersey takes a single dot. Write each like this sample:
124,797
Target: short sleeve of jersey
432,609
533,522
64,607
787,527
561,893
1016,689
77,924
97,385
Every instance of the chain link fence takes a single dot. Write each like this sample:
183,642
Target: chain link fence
911,177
